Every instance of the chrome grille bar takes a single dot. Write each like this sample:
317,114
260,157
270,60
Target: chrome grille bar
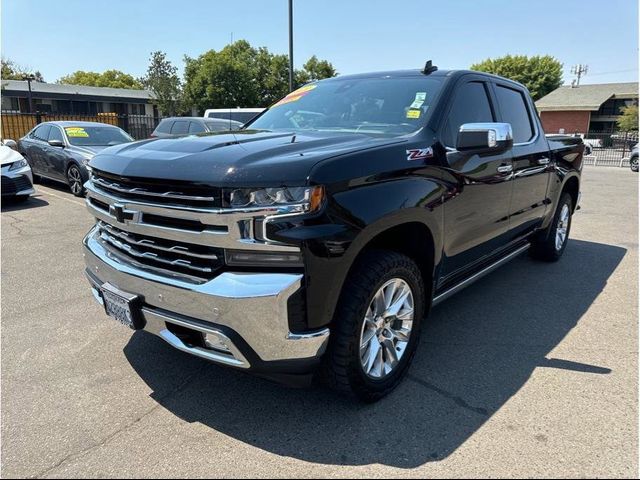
118,187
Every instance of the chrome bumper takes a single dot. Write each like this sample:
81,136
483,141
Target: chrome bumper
252,305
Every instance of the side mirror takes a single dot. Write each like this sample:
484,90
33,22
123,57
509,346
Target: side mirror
485,136
56,143
10,143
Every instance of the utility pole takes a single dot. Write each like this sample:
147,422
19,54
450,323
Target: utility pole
578,70
29,78
291,45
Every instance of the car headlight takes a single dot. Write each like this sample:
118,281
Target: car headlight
280,199
19,164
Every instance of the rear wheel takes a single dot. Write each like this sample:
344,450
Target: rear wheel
550,245
634,164
377,326
74,178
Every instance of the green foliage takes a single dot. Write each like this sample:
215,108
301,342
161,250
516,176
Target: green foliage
163,81
240,75
110,78
540,74
628,121
13,71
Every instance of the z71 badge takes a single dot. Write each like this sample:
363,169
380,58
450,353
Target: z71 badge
419,153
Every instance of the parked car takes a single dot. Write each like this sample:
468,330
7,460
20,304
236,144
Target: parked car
61,150
242,115
317,238
17,180
633,159
181,126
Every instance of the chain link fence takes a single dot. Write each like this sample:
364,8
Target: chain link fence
610,149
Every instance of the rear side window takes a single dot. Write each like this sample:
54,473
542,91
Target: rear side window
164,126
180,127
196,127
55,134
218,126
514,111
470,105
41,133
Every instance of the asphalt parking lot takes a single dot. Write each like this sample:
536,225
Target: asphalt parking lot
532,371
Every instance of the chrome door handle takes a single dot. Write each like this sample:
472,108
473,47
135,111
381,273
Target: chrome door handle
505,168
543,161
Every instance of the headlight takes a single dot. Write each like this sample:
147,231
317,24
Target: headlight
281,199
17,165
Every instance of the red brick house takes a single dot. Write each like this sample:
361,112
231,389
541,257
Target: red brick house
585,108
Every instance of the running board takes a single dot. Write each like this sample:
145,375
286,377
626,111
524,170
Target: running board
476,276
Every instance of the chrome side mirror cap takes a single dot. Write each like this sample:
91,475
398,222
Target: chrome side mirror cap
485,136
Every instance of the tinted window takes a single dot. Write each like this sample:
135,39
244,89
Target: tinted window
55,134
180,127
164,126
196,127
41,133
514,111
471,105
219,126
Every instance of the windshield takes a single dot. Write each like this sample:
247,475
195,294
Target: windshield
377,106
96,136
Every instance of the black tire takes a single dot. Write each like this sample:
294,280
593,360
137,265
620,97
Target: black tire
20,198
545,246
342,369
634,164
74,175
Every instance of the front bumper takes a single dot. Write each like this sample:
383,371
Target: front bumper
247,312
17,182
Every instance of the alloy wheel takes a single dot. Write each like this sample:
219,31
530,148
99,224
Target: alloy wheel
75,180
563,227
386,329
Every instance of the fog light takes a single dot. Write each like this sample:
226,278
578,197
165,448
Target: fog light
214,341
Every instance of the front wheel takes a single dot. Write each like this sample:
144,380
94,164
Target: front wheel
634,164
74,178
376,326
550,245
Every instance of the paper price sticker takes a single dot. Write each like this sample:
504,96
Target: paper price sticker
76,132
413,113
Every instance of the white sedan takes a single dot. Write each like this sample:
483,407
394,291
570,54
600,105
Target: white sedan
17,179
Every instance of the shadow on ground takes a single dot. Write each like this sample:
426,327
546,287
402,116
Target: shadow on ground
478,350
11,205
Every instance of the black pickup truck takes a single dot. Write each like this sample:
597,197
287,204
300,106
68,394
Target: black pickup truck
316,239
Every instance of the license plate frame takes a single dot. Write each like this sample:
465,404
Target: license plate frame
122,306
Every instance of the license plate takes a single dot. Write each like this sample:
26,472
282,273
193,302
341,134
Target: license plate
119,305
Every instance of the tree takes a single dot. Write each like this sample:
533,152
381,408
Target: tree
240,75
540,74
109,78
163,81
13,71
628,121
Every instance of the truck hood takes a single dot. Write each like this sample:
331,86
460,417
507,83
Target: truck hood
243,158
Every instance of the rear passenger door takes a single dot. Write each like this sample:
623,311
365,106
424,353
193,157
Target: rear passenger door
476,218
531,161
35,150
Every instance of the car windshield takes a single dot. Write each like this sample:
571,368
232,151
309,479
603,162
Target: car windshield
389,106
89,136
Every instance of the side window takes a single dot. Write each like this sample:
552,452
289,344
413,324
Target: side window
55,134
514,111
42,133
196,127
180,127
164,126
470,105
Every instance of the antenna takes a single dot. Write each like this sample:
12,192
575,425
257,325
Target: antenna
429,67
579,71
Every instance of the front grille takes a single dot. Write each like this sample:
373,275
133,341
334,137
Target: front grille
194,260
158,191
11,186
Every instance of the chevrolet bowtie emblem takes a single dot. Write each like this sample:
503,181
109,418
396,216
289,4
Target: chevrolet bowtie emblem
120,213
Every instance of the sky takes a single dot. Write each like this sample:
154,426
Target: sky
59,37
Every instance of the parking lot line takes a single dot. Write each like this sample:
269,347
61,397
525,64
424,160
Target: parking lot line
46,191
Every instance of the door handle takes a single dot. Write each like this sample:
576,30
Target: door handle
543,161
505,168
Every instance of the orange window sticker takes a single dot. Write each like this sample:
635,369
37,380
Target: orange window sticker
295,95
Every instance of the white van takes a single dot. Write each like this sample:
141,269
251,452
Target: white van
242,115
